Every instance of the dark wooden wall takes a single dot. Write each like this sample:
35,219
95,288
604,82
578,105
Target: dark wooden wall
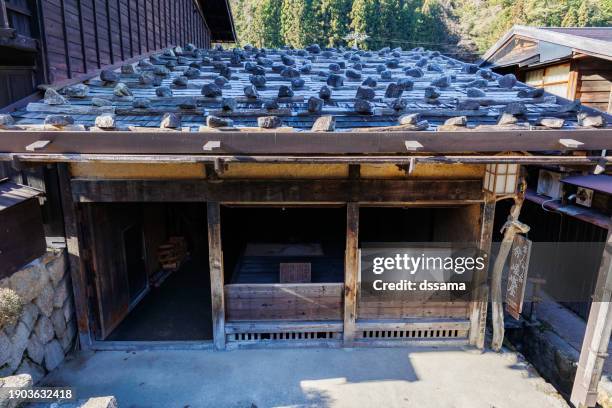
85,35
594,83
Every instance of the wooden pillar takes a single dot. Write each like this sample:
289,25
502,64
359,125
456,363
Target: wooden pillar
351,271
597,336
478,307
215,256
76,262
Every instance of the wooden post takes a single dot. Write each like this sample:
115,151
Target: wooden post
76,262
478,307
351,269
215,256
511,228
4,21
597,336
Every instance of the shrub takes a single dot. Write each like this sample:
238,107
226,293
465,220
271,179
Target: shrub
10,307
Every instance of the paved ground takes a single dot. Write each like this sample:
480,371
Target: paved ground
392,377
171,312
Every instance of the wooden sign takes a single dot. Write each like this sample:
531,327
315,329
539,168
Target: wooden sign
517,275
295,272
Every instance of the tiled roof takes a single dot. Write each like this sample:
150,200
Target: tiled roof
397,82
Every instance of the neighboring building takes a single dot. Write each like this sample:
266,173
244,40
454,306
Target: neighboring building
52,42
574,63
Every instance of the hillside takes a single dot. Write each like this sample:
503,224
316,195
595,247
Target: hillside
463,28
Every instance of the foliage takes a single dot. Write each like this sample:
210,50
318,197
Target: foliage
434,24
10,307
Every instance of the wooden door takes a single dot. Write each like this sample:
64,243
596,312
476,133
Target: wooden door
108,223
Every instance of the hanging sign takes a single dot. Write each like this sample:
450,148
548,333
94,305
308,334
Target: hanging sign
517,275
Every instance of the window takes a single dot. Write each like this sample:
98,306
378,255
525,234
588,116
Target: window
553,79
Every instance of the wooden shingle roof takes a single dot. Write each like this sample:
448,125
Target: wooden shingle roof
388,83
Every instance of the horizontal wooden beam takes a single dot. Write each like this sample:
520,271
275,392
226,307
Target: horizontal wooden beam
349,159
252,143
278,191
282,327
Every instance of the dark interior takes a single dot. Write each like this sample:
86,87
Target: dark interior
431,224
176,309
321,231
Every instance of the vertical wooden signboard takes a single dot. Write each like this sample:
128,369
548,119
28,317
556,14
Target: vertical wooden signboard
517,275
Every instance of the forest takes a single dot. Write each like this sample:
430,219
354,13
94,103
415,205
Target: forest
462,27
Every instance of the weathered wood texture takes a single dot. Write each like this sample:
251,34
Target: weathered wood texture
270,143
284,301
107,250
76,262
372,307
595,344
84,35
22,238
512,227
594,83
282,191
215,255
351,269
478,308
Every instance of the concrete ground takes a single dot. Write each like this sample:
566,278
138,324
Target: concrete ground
392,377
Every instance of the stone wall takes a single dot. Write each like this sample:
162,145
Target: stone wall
46,329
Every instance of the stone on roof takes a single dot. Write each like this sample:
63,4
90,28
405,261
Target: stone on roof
356,88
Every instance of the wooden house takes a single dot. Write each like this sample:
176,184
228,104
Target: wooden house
258,175
53,42
573,63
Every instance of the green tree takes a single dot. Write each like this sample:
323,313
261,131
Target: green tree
265,26
389,17
430,25
571,18
300,22
584,14
335,19
364,19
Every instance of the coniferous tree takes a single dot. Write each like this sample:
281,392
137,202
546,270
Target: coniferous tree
364,20
266,23
388,23
571,18
336,20
584,14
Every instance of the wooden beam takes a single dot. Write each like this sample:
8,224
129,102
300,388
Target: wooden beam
351,272
274,142
279,191
345,159
597,336
76,262
215,255
478,307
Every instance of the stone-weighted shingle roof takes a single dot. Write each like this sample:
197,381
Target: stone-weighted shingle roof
369,89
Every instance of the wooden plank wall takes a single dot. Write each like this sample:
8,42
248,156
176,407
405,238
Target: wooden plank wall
594,85
307,302
85,35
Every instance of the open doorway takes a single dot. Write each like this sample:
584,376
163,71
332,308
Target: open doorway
417,231
283,264
151,271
